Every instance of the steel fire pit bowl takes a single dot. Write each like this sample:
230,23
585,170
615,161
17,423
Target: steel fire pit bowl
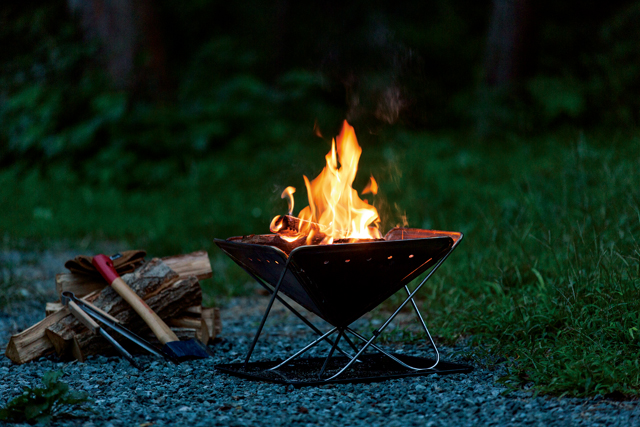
342,282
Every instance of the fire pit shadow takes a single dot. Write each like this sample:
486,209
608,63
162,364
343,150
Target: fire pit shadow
373,368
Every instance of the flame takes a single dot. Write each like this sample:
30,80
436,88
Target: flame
335,209
288,193
316,129
372,187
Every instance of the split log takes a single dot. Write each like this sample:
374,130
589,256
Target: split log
210,324
205,320
405,233
151,283
194,311
79,284
185,322
33,343
287,224
76,351
193,264
52,307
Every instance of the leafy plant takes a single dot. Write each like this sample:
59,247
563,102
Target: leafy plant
43,404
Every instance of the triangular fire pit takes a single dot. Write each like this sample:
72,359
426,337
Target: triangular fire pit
340,283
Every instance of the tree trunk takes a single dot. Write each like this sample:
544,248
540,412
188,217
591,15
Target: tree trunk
130,39
508,42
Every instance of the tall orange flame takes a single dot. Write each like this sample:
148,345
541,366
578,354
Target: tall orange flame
334,206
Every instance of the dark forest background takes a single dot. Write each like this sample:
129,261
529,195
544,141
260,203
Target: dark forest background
119,80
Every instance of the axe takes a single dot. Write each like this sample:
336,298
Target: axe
179,350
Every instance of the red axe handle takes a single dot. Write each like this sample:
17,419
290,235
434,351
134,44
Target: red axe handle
160,329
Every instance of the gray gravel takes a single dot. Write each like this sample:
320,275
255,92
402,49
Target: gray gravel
195,394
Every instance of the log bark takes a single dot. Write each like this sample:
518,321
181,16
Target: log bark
193,264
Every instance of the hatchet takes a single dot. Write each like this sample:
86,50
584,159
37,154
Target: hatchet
180,350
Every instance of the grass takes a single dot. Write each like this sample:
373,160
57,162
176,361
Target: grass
547,277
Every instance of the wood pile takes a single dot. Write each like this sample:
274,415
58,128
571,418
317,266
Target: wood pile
170,286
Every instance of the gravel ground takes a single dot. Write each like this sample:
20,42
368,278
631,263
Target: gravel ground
194,394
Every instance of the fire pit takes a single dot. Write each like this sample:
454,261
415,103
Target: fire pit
340,274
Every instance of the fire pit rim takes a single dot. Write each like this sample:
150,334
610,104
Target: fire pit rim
456,236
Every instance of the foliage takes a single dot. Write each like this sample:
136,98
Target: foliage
44,404
547,275
58,109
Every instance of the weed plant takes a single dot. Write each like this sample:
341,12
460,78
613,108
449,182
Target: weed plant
42,405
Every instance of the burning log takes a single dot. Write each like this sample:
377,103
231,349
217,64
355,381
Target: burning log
173,294
276,240
281,242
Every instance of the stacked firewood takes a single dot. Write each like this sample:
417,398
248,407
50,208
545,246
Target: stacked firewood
170,286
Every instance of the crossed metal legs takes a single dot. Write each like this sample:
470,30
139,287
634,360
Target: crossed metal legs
342,332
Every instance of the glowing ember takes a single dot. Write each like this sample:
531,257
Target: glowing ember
335,210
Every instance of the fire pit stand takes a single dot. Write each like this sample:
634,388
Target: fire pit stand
340,283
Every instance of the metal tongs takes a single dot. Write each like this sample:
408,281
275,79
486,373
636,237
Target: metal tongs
86,312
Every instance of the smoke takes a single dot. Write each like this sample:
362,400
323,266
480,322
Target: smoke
390,105
375,72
